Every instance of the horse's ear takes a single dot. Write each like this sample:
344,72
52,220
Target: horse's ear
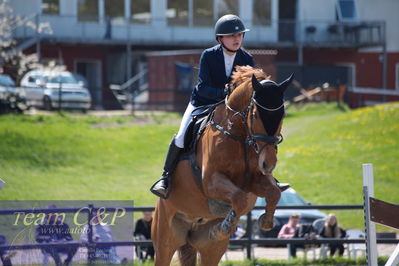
283,85
255,83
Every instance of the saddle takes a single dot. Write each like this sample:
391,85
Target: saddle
200,118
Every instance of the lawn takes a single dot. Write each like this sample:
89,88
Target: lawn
65,156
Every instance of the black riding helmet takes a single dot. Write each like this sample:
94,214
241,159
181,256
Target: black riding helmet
229,24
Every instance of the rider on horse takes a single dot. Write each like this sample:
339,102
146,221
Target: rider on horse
216,66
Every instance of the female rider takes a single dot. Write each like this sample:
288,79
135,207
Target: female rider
216,66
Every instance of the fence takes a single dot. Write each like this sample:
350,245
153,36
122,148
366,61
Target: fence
245,242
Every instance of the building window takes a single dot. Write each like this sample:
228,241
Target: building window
225,7
177,12
50,6
88,10
346,10
261,13
115,11
203,13
141,11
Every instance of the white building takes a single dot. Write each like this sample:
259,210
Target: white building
354,41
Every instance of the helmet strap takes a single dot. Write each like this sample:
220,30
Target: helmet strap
225,47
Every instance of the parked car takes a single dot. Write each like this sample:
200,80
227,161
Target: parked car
42,90
7,88
10,99
288,197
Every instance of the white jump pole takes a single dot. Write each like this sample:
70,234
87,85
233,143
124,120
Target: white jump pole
394,258
368,191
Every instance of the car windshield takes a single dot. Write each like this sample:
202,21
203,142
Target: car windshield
6,81
61,79
287,198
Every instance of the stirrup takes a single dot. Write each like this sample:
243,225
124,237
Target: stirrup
162,192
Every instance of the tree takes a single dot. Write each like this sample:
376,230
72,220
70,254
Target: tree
12,58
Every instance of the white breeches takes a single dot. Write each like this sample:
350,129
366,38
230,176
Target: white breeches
179,139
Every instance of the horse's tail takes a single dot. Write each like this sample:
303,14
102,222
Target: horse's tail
187,255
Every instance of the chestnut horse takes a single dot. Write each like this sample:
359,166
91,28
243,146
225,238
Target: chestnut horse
236,156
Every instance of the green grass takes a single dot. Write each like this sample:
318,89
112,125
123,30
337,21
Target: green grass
65,156
299,262
326,146
80,158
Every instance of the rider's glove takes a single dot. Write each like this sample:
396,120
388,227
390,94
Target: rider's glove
226,90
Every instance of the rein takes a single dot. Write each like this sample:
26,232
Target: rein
250,140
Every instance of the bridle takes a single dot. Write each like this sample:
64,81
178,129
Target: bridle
250,139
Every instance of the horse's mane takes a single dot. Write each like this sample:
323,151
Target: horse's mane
244,73
241,85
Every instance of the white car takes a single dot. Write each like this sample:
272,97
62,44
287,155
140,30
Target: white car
47,89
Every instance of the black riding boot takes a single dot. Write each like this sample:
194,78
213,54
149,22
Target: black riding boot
161,188
282,186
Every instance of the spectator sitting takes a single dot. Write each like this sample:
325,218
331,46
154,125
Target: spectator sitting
332,230
288,231
142,231
102,233
54,230
5,254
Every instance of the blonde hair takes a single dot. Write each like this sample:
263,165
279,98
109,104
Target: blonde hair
328,229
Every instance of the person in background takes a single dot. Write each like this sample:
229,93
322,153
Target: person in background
102,233
331,229
5,254
54,230
288,231
142,231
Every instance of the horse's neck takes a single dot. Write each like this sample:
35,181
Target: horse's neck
240,97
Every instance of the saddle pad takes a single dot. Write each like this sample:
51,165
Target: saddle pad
199,120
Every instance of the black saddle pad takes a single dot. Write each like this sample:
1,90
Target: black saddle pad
200,118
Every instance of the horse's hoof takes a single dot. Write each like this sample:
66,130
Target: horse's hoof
266,222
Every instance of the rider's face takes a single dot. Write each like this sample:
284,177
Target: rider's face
233,41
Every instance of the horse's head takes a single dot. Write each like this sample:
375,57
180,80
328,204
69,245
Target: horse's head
268,115
260,102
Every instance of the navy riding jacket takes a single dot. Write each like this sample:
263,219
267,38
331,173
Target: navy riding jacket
212,75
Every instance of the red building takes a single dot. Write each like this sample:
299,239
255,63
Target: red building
112,42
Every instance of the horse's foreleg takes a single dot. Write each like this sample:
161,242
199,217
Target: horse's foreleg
268,189
221,187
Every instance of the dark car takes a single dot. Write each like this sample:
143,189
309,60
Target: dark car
288,198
